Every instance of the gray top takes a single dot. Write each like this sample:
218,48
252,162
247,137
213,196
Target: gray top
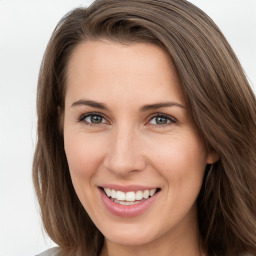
55,250
51,252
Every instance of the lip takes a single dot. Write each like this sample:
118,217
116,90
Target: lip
125,189
127,211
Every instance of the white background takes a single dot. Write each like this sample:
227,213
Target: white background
25,28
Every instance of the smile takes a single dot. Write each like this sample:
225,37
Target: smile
128,202
129,198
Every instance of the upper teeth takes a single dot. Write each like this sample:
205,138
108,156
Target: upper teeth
130,196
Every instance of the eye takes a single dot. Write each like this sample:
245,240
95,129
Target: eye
93,119
161,120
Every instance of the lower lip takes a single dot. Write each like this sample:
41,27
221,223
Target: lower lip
127,210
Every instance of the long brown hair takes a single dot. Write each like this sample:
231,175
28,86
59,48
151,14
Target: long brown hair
220,99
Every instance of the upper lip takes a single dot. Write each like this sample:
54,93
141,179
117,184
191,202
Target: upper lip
127,188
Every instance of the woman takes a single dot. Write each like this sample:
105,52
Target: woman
146,134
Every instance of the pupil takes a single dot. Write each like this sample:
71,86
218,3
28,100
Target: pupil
161,120
96,119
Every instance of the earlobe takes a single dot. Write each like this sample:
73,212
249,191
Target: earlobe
212,157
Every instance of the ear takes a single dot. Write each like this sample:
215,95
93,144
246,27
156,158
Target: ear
212,157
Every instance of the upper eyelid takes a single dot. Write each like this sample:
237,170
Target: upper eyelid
83,116
163,115
91,114
149,118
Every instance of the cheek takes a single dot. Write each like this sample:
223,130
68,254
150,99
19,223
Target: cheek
180,152
84,155
182,161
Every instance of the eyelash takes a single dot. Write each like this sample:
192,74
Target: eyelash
84,116
170,120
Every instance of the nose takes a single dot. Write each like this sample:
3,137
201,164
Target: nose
125,153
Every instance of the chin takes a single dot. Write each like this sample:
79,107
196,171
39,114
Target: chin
130,239
131,235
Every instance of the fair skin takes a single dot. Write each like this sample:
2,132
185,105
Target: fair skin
117,137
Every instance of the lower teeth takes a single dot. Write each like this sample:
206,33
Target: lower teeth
125,202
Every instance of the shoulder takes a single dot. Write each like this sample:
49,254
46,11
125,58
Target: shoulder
51,252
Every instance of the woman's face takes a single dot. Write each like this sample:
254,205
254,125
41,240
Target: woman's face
128,133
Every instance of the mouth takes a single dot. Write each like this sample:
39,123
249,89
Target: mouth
130,197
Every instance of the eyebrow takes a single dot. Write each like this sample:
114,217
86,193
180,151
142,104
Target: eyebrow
161,105
144,108
90,103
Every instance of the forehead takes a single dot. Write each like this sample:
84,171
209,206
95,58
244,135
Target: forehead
142,69
101,54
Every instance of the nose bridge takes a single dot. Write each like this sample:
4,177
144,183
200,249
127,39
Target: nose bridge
124,155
